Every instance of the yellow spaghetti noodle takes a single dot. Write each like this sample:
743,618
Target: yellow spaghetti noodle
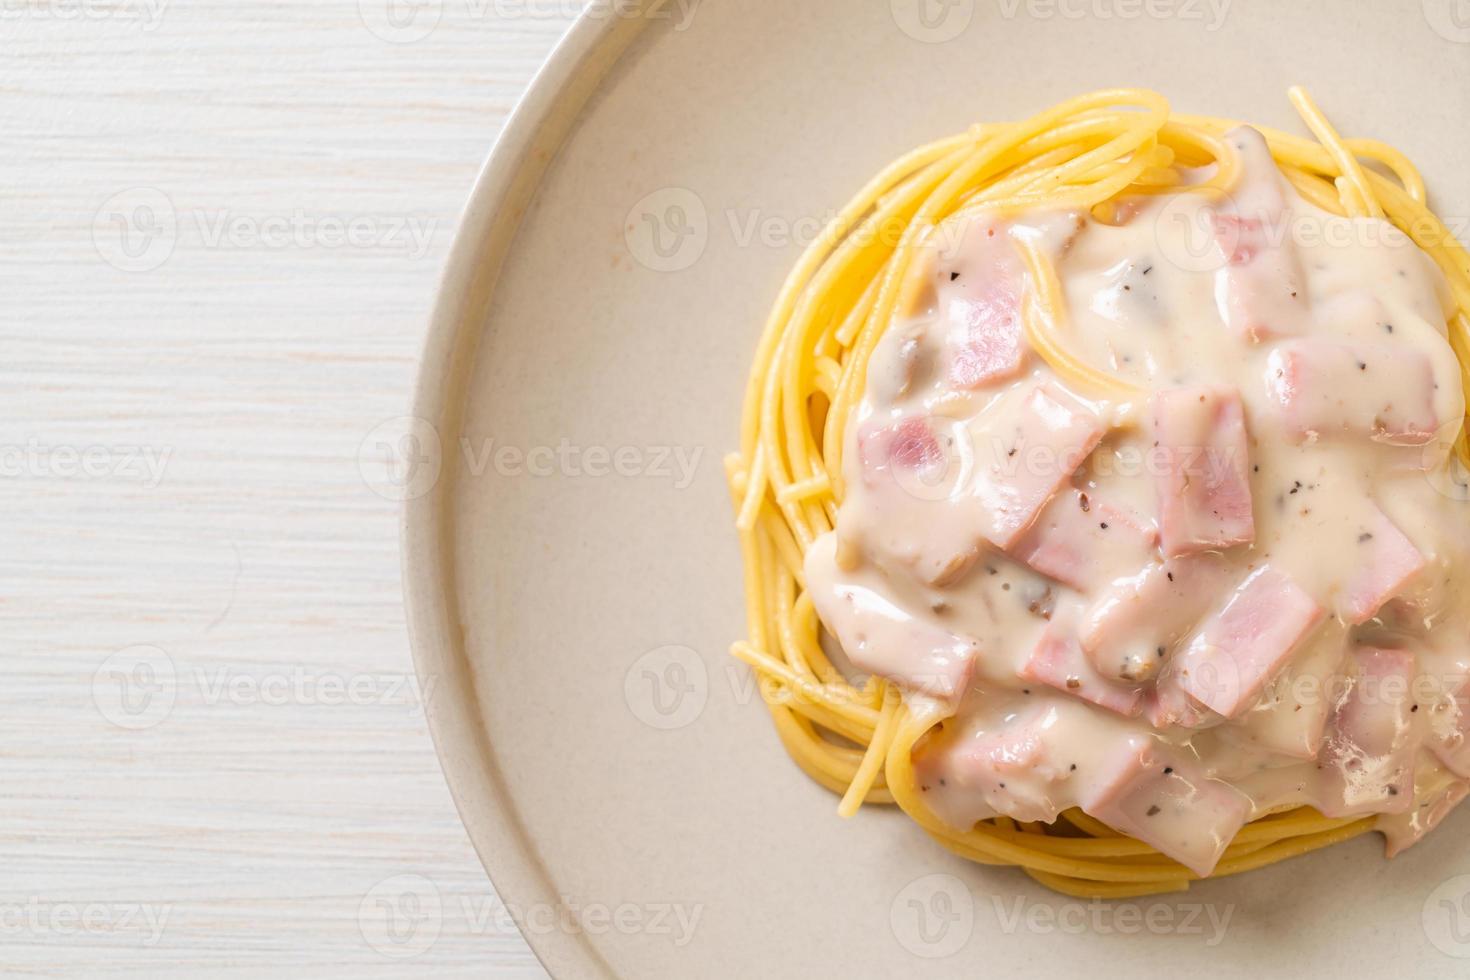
808,377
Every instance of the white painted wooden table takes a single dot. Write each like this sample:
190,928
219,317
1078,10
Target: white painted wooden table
221,226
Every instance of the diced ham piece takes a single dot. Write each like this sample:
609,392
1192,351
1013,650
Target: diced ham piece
1203,470
1451,720
1024,459
880,637
980,282
1326,389
1058,661
1387,561
985,337
1130,630
1261,288
1005,771
908,446
1291,716
910,469
1085,542
1368,759
1237,651
1166,800
1167,706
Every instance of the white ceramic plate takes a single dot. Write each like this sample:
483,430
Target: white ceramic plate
572,606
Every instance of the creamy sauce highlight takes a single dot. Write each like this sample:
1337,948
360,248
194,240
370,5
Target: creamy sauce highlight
1228,595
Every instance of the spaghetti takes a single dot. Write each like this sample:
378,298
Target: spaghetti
809,374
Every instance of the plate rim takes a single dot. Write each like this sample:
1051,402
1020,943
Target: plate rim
488,225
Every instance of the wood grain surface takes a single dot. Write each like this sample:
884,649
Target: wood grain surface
221,228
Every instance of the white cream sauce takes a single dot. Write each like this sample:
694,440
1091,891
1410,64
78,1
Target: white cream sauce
1002,545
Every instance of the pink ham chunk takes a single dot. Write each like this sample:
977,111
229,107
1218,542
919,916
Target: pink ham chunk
1085,542
1451,721
1203,470
1130,630
1386,562
1367,762
1230,660
1164,799
1023,459
1326,389
1262,287
1006,771
882,638
980,282
985,338
1167,706
1058,661
1291,715
908,446
909,469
